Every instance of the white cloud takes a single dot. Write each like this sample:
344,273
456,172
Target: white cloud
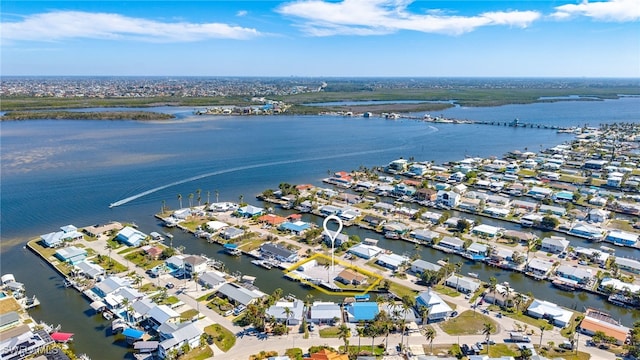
61,25
242,13
612,10
375,17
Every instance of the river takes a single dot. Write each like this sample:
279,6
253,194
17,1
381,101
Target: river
61,172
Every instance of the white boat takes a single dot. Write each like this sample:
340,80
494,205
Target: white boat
107,315
472,274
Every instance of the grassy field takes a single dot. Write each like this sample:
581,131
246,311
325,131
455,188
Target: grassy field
401,290
445,290
222,337
529,320
330,332
200,353
467,323
140,259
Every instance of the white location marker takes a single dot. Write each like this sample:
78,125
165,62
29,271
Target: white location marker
335,235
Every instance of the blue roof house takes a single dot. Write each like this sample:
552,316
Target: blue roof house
297,227
130,236
71,254
250,211
361,311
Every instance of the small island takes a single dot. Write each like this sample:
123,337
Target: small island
89,115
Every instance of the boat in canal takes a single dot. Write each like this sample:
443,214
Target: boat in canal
262,263
563,285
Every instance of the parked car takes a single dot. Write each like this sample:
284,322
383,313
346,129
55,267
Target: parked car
312,326
169,286
479,345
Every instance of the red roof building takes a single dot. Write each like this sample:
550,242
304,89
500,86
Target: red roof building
272,219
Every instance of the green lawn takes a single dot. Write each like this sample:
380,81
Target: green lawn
377,350
529,320
467,323
401,290
201,353
330,332
445,290
499,350
140,259
222,337
188,315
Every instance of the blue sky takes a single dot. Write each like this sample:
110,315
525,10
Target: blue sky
559,38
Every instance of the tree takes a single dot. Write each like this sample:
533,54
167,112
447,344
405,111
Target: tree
241,198
525,353
408,302
487,329
344,333
493,282
199,197
288,312
180,200
424,314
190,200
430,334
462,225
208,196
549,222
109,247
541,333
217,194
361,332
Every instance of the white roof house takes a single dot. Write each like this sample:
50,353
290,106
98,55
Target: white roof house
539,267
629,265
420,265
438,309
391,261
463,284
590,253
544,309
554,244
365,251
216,225
278,311
618,285
486,230
324,312
451,243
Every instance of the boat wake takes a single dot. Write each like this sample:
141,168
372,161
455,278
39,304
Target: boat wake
240,168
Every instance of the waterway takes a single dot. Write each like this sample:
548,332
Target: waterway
56,173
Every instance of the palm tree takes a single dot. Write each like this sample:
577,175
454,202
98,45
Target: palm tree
344,333
109,247
430,334
125,305
541,333
492,287
217,194
190,200
407,303
424,314
180,200
361,332
164,205
241,198
519,300
487,329
287,313
198,193
208,197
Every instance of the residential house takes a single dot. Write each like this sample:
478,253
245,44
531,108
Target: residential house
555,244
541,309
296,227
438,309
539,192
278,252
594,255
452,243
553,210
518,236
630,265
250,211
131,236
327,210
350,277
110,285
97,230
498,200
271,219
195,264
231,233
365,251
324,312
448,198
339,238
71,254
477,251
424,235
162,314
211,279
525,205
391,261
374,221
590,325
153,252
587,231
577,274
293,316
463,284
56,239
495,211
469,204
539,267
361,311
178,336
501,296
617,285
238,294
420,266
426,194
396,227
484,230
622,238
402,189
326,354
89,269
397,166
418,170
431,216
216,225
